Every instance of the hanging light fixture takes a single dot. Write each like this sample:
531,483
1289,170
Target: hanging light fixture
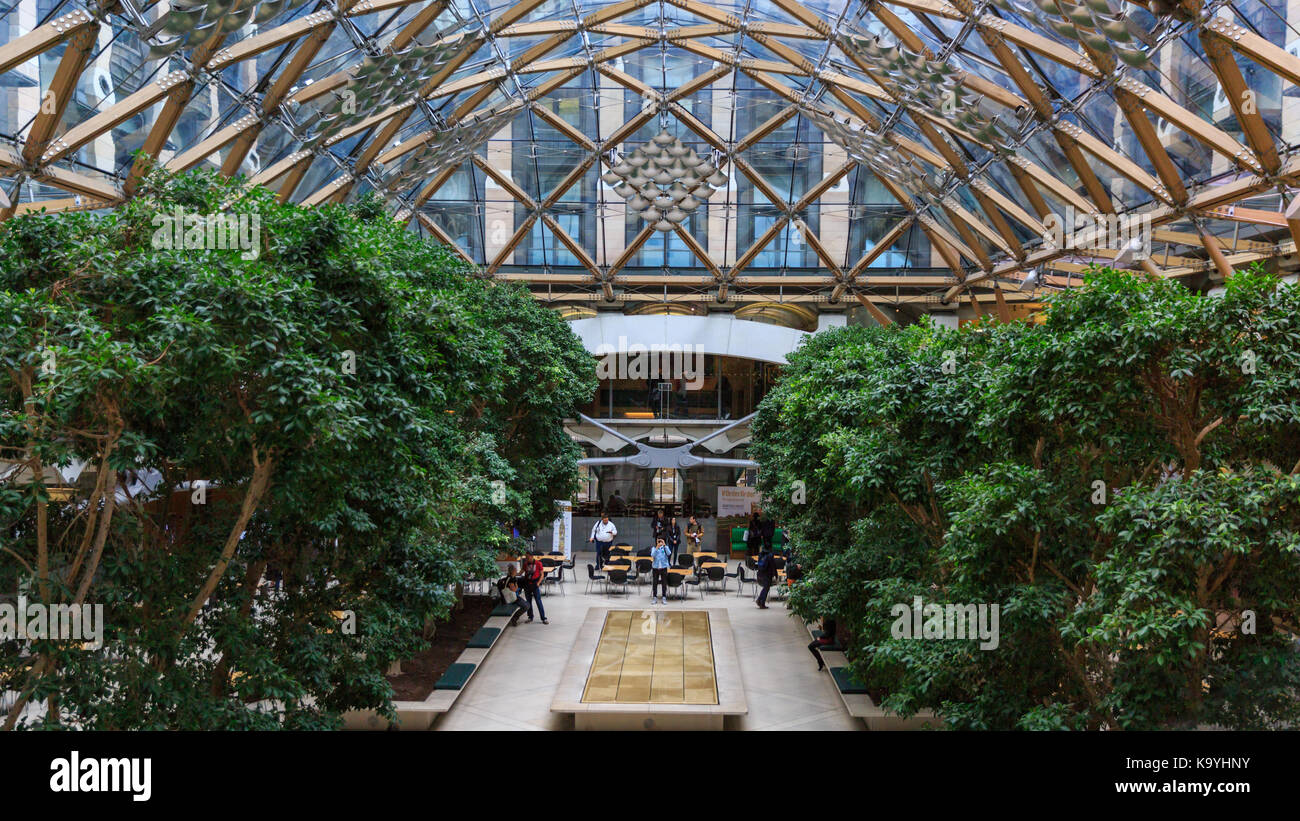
933,86
664,181
190,23
878,153
1093,23
379,82
446,148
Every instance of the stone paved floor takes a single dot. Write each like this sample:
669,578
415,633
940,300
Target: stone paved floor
784,691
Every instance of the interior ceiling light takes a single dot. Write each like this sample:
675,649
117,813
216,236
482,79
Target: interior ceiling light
930,85
664,181
445,148
1093,23
379,82
876,152
188,20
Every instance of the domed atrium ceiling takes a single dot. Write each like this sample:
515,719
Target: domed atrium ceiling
822,153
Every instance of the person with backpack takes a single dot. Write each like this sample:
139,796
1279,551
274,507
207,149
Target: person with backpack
766,575
602,536
793,572
532,580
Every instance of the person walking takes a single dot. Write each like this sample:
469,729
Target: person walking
532,579
659,563
766,574
673,537
602,535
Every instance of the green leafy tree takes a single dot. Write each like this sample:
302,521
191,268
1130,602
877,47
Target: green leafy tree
351,408
1120,480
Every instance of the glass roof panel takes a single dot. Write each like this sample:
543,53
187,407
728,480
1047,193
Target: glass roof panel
737,121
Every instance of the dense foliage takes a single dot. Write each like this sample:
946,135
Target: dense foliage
364,410
967,467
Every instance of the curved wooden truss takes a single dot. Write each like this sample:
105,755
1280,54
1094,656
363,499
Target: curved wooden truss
1215,184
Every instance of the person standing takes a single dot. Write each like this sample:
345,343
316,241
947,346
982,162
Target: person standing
767,526
766,573
673,537
658,526
659,562
616,504
754,535
532,581
694,535
602,535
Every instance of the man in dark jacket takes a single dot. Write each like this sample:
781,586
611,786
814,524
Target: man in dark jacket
767,527
754,533
766,575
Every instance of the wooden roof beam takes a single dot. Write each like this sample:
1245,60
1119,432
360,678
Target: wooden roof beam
875,312
436,229
1244,106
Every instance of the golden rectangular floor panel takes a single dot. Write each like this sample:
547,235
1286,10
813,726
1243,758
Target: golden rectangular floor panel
653,657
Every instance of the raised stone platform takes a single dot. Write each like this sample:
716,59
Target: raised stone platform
652,669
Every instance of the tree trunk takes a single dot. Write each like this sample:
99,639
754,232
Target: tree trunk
252,498
110,505
221,673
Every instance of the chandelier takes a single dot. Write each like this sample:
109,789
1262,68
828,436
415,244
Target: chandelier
1094,23
189,20
877,153
664,181
932,84
444,149
377,83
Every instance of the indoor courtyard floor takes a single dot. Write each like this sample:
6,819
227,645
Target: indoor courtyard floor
514,687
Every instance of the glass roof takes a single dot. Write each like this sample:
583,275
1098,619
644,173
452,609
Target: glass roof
918,150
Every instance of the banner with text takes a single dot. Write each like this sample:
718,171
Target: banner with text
561,540
736,501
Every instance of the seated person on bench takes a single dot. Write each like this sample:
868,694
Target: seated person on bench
828,637
508,587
